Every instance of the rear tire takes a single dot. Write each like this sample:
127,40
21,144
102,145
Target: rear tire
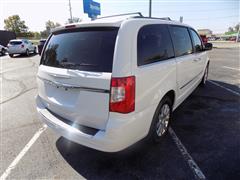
3,52
161,121
27,52
35,51
205,77
10,55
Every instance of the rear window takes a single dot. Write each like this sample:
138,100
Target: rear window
15,42
83,49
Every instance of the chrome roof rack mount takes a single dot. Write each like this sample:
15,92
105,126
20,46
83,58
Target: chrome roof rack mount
126,14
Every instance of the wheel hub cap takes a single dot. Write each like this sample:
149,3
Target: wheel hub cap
163,120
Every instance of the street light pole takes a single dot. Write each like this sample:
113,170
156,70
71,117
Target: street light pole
150,8
70,10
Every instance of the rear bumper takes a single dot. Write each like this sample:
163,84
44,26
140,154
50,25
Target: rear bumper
113,139
16,51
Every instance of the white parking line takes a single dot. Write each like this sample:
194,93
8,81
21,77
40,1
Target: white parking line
237,69
230,90
22,153
191,163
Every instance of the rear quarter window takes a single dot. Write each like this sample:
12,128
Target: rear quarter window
86,49
181,40
154,44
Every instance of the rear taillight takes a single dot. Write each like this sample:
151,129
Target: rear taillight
22,46
122,98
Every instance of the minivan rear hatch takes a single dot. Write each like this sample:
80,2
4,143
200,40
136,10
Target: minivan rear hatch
75,73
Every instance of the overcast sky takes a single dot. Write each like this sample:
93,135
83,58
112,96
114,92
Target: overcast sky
216,15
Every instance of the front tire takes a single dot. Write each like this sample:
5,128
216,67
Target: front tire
10,55
205,77
161,121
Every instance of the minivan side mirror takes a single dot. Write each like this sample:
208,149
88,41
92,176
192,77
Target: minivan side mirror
208,46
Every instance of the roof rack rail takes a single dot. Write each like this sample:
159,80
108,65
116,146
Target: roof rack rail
138,13
163,18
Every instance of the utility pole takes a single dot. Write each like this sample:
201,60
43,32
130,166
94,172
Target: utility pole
237,35
150,8
70,10
181,19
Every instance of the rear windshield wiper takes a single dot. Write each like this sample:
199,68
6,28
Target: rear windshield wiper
66,64
85,64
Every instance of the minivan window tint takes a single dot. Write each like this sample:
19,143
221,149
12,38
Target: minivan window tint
81,49
181,40
154,44
197,43
15,42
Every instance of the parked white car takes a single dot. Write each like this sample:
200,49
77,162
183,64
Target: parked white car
2,50
109,83
20,46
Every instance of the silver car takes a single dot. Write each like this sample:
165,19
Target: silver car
2,50
20,46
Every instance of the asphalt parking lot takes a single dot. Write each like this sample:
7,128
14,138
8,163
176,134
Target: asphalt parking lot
207,124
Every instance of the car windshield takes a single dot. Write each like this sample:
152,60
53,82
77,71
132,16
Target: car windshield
86,49
15,42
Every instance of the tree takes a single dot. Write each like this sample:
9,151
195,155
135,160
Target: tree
51,25
73,20
43,34
237,27
230,29
37,35
15,24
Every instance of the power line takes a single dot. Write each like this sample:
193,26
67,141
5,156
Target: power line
223,17
205,10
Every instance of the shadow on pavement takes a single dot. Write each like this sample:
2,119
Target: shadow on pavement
142,161
3,55
208,125
234,87
23,56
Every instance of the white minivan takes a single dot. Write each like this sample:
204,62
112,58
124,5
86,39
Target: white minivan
111,82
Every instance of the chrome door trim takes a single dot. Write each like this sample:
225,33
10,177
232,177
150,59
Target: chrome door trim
69,86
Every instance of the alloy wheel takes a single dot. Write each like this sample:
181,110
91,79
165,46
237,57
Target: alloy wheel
163,120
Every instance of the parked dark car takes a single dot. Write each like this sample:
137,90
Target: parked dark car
41,45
